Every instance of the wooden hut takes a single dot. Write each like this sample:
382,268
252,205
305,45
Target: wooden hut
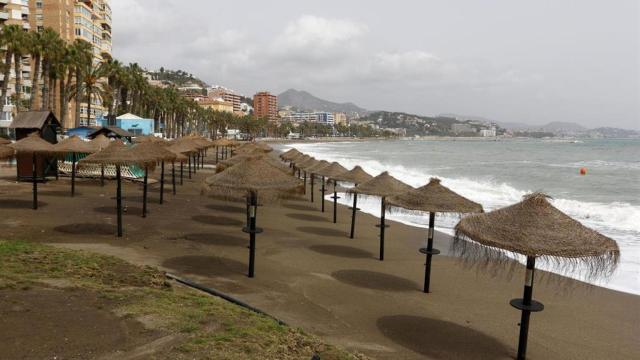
47,126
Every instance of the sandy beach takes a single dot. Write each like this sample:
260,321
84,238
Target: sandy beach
312,276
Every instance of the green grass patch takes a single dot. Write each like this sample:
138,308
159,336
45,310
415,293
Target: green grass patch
210,327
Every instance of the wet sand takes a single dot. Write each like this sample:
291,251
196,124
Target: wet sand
311,275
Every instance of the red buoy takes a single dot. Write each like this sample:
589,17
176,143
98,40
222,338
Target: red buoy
583,171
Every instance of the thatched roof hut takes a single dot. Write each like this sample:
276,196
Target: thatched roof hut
382,185
534,227
356,175
74,144
433,197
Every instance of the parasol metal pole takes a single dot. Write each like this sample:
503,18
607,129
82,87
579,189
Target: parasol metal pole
305,182
202,157
354,209
382,226
73,174
195,164
252,230
102,175
181,173
323,190
144,192
189,166
161,182
216,154
527,305
173,176
312,177
335,203
119,200
429,251
35,182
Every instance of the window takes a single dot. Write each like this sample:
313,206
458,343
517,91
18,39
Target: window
135,131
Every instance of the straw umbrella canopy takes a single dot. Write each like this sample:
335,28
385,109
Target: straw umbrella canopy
73,145
4,141
186,148
119,155
355,176
297,163
222,146
334,169
290,154
33,145
240,158
432,198
383,185
313,170
100,142
252,178
158,152
534,228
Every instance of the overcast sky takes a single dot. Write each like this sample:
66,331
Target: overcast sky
522,61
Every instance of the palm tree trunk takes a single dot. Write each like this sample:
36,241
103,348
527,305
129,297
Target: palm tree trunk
45,87
7,75
35,96
78,97
17,59
88,106
63,101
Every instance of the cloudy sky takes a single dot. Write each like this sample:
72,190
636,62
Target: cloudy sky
520,61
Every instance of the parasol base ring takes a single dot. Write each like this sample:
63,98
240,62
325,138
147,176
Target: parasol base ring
250,231
385,226
351,208
336,197
534,307
429,252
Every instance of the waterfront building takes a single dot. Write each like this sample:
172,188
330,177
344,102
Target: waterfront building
488,132
340,118
216,104
265,105
131,123
321,117
227,95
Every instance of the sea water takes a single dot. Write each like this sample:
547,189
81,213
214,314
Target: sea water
499,173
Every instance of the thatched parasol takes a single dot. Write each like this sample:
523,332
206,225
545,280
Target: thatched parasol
222,147
99,143
119,155
432,198
33,145
149,138
253,178
73,145
181,158
313,170
534,228
383,185
331,171
188,149
4,141
355,176
289,154
300,162
6,152
158,152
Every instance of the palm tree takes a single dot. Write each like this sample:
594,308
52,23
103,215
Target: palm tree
47,47
10,37
78,56
92,87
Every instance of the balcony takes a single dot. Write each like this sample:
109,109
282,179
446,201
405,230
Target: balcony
4,15
26,25
25,10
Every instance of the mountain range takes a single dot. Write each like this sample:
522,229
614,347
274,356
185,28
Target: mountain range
303,101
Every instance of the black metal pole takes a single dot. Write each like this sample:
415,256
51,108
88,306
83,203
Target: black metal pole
101,174
353,215
195,164
382,226
216,154
189,166
181,173
335,203
322,190
430,251
73,174
144,192
35,182
119,200
312,177
202,157
528,305
252,235
305,182
173,176
161,181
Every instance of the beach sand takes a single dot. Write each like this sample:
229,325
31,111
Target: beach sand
311,275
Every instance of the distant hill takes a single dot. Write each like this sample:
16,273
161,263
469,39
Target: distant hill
303,101
560,127
177,77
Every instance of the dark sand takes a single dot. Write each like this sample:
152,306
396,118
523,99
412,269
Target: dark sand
311,275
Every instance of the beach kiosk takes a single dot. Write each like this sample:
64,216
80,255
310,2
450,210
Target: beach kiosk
47,126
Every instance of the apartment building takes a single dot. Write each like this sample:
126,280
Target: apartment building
265,105
88,20
15,12
320,117
226,95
